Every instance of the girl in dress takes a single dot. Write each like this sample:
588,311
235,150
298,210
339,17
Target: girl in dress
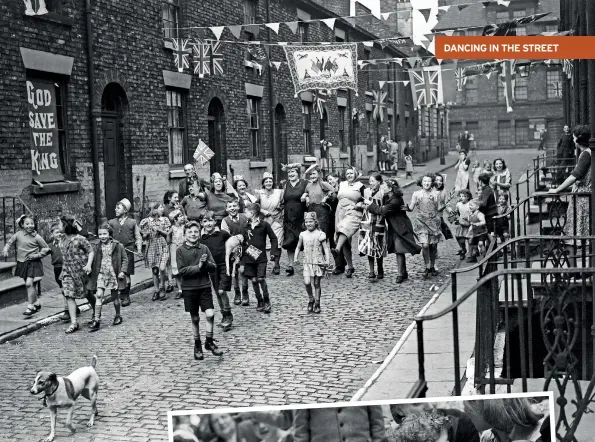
408,166
349,215
316,259
317,195
426,223
400,238
501,180
78,257
476,170
30,248
176,239
271,206
155,229
294,211
478,231
372,240
108,273
463,213
462,166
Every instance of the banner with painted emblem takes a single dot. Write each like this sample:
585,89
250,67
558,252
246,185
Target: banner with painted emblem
46,166
426,86
322,67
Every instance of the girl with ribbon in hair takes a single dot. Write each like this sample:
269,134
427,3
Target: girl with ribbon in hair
349,215
78,257
271,206
218,196
155,230
30,248
373,229
294,211
317,256
317,196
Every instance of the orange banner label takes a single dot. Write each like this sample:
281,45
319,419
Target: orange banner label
530,47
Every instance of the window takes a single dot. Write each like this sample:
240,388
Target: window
254,115
176,126
307,124
521,30
502,17
501,97
476,31
171,18
471,91
554,85
342,145
520,88
51,5
369,132
421,122
519,13
302,32
504,133
521,129
456,129
250,11
551,28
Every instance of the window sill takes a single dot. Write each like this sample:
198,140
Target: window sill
52,17
370,154
343,156
369,94
176,173
167,44
310,159
255,164
58,187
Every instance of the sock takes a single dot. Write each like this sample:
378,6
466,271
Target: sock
117,302
256,287
380,266
309,291
195,324
209,336
223,300
265,290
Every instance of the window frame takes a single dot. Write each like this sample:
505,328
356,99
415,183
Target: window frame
302,31
549,88
249,19
254,113
521,85
509,134
307,110
471,98
170,26
183,120
521,124
341,126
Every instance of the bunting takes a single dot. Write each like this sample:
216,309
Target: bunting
216,58
181,53
567,67
460,78
202,59
509,27
379,104
426,86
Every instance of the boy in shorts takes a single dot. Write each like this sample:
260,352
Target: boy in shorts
215,240
254,258
194,264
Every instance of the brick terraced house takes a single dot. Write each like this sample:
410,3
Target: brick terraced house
127,127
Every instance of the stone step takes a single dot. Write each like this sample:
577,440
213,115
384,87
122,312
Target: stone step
6,270
12,291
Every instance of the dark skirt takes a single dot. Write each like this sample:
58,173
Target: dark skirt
29,269
131,257
323,215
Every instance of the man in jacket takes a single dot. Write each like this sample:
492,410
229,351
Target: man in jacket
565,155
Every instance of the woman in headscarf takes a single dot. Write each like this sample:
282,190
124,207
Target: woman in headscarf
217,197
349,215
317,196
271,206
294,211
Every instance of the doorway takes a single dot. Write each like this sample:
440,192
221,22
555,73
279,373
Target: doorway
216,120
114,107
280,140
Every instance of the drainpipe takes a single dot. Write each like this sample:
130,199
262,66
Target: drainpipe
274,153
351,123
92,116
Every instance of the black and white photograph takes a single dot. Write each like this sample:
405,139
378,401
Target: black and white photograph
223,204
526,417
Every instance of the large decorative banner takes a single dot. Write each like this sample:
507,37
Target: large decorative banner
322,67
426,86
45,148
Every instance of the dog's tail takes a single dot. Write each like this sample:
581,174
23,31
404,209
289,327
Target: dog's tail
94,361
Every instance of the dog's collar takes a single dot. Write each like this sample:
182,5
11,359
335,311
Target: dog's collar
45,397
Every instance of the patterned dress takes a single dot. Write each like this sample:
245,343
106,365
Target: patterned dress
426,223
273,203
157,255
348,218
313,252
75,250
502,177
177,239
372,234
107,279
580,204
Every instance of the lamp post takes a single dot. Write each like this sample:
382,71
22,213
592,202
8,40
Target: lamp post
442,159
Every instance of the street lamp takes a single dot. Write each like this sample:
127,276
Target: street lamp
442,159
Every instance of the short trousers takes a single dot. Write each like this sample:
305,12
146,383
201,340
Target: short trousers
220,279
29,269
197,299
258,270
57,273
477,239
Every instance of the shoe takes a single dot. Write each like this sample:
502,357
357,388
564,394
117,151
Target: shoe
426,274
260,305
276,270
289,271
405,276
37,307
94,326
227,321
399,279
310,306
178,295
316,308
267,307
434,272
212,347
30,311
170,288
117,320
339,270
162,294
471,259
126,300
155,296
371,276
349,273
463,255
65,317
237,300
198,355
245,300
72,328
380,276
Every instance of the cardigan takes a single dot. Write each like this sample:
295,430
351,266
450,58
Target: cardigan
119,263
188,260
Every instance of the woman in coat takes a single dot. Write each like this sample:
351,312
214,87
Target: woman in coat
294,211
400,237
350,424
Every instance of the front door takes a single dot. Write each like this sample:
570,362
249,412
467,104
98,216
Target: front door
110,159
216,121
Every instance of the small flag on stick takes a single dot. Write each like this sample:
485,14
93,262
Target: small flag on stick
203,153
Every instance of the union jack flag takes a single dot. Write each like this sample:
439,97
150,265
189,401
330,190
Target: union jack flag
379,104
202,60
203,153
217,58
567,68
181,53
320,102
557,87
461,78
426,86
508,78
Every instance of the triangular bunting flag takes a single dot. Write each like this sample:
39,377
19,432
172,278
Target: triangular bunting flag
489,74
381,83
236,31
429,36
293,25
277,64
368,44
449,32
444,8
253,29
217,30
461,7
425,13
405,83
330,22
385,15
412,61
440,14
274,27
399,61
427,43
439,60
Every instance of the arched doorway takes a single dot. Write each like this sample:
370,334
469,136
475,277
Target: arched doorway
216,119
117,173
280,140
